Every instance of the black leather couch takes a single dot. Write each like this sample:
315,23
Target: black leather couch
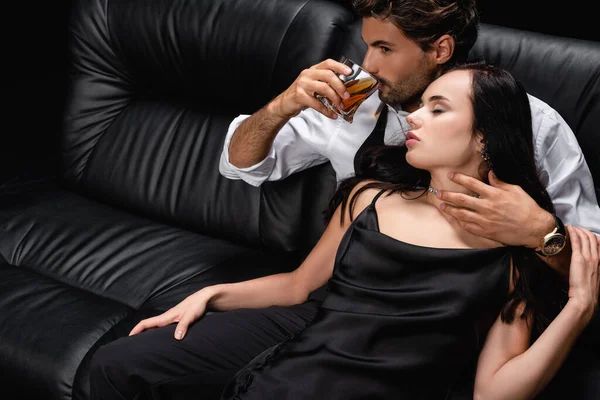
139,217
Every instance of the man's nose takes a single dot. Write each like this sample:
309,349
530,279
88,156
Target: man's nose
368,64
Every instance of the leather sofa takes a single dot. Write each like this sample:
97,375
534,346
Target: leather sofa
139,217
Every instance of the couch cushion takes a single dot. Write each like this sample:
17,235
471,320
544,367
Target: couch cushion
47,330
117,255
153,86
75,273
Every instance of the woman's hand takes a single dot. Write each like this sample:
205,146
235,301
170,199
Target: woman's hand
584,275
186,312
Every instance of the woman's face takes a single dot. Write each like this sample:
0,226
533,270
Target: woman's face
441,135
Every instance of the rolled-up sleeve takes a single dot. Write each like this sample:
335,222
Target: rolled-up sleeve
564,171
294,149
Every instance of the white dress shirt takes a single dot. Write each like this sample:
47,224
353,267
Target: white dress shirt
311,139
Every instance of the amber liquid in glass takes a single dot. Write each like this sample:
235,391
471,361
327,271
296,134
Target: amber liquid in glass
359,90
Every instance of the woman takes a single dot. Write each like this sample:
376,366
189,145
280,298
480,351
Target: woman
411,295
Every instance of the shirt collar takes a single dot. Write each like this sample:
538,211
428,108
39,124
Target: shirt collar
400,112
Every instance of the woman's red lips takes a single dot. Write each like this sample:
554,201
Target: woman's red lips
412,136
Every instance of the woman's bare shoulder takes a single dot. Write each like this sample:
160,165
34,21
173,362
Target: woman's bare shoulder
363,194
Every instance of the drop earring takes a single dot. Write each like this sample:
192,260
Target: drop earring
486,156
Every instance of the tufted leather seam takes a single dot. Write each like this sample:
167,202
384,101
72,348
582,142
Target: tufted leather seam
97,140
276,62
180,114
101,135
18,248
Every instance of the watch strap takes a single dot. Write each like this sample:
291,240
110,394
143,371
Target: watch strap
560,227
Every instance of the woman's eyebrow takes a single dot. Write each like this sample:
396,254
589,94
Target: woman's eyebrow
437,97
433,98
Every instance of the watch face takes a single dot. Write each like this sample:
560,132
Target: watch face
554,245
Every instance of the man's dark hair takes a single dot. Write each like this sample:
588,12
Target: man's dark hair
425,21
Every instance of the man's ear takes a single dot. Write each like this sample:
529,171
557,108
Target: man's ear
444,48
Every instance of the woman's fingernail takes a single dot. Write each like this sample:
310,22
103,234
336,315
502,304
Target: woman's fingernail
450,175
178,335
442,206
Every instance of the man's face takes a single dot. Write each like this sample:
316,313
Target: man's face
402,67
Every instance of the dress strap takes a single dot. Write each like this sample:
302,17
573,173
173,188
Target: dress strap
370,220
382,191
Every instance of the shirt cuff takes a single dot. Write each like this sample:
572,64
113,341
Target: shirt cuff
256,174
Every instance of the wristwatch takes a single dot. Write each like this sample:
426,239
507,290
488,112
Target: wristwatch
555,241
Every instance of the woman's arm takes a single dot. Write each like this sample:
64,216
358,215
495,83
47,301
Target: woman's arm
284,289
508,367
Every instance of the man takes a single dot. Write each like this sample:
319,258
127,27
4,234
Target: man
408,47
294,132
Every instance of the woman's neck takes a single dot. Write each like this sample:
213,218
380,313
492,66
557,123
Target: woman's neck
440,182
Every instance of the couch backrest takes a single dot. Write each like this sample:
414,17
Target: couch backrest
563,72
153,86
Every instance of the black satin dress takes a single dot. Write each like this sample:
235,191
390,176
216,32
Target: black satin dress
400,321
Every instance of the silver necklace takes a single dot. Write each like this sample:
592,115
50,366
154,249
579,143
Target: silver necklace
434,191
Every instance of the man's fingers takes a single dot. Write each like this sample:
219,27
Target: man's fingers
334,66
472,184
461,214
460,199
316,104
327,91
329,78
473,228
